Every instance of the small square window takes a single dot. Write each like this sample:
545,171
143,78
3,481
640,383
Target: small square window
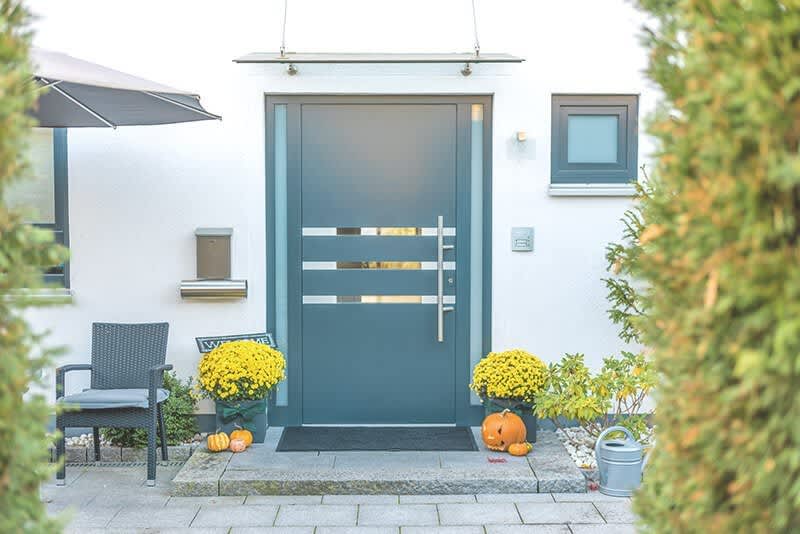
594,140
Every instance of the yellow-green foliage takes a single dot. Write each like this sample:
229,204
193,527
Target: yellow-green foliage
24,254
615,395
240,370
721,255
513,374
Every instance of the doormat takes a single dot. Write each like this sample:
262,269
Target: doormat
362,438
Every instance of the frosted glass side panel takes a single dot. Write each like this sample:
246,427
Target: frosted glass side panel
281,295
592,138
35,193
476,243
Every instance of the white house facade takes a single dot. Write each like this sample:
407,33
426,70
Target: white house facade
333,180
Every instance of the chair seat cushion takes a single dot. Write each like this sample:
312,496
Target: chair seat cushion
104,399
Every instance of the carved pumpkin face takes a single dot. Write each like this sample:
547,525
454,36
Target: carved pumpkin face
500,430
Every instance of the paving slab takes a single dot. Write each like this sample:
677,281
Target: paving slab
317,515
589,496
616,512
436,499
398,515
527,529
603,529
559,512
360,499
144,500
174,517
478,514
283,499
271,530
462,529
358,530
200,475
75,530
206,501
93,516
514,497
236,516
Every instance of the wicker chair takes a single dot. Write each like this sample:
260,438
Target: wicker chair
127,373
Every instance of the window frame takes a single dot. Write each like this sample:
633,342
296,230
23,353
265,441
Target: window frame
616,175
60,228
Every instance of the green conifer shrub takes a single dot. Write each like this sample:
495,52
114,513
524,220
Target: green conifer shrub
25,252
720,254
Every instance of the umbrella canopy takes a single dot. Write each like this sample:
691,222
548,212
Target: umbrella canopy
84,94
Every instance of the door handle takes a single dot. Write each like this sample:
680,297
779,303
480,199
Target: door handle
440,307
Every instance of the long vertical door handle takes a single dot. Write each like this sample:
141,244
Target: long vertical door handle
440,307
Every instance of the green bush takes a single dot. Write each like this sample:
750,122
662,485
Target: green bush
721,257
612,396
178,418
25,252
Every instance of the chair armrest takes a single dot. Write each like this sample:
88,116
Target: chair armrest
155,373
63,370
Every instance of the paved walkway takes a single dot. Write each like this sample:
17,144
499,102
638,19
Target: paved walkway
115,500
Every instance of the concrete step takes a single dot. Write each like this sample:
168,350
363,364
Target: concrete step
262,471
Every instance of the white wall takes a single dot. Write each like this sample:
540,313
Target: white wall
138,193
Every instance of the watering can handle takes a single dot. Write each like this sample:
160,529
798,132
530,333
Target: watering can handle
603,434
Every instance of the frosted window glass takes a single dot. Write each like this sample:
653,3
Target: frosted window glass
34,193
592,138
476,244
281,295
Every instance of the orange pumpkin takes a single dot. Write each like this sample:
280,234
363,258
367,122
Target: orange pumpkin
237,445
244,435
500,430
218,442
519,449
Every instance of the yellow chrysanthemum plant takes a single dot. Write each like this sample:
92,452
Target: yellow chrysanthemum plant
511,380
239,376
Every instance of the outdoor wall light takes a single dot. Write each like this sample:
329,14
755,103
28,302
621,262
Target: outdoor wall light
522,136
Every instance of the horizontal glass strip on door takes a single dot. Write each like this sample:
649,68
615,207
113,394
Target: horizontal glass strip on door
375,299
406,265
407,231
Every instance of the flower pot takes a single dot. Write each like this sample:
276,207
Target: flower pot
524,411
249,414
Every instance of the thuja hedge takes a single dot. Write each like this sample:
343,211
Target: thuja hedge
25,252
721,257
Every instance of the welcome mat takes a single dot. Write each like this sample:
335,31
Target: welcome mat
362,438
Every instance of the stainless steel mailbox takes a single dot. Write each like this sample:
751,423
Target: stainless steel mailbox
213,280
213,253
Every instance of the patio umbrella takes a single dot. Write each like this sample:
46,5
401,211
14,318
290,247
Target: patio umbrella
84,94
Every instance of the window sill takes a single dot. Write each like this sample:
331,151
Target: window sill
49,295
592,190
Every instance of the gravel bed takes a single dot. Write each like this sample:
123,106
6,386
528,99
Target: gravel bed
580,445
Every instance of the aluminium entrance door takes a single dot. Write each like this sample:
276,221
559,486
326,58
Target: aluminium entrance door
379,189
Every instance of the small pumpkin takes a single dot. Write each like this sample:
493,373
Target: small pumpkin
218,442
519,449
237,445
500,430
244,435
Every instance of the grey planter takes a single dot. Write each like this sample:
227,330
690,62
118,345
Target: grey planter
249,414
524,411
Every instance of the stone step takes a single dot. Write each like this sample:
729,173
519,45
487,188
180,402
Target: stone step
262,471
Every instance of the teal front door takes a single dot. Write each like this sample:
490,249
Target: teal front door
379,213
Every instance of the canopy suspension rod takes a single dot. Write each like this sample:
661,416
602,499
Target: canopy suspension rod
182,105
283,30
477,44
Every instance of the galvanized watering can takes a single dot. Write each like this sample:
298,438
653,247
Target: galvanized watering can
620,462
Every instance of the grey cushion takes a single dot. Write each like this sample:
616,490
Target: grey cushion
101,399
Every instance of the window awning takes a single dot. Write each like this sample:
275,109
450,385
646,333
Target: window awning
298,58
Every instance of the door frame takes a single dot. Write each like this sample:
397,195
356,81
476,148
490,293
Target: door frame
291,414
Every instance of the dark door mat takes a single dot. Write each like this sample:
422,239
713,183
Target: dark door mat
362,438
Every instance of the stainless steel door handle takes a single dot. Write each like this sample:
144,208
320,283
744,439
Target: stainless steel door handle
440,307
